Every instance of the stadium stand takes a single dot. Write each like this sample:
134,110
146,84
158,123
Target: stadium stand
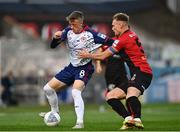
22,48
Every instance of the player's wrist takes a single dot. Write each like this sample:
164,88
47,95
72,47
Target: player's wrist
54,37
90,56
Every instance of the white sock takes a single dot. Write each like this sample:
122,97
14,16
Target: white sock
78,105
52,98
137,119
128,118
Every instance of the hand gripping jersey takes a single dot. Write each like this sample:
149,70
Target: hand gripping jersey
87,39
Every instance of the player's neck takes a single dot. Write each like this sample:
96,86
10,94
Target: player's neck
81,29
125,29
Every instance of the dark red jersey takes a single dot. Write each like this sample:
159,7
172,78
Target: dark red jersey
104,47
129,47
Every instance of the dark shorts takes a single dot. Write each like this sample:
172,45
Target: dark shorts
115,73
70,73
139,79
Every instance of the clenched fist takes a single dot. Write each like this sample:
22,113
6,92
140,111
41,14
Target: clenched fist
57,34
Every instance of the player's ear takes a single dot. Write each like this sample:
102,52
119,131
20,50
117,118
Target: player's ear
124,24
81,21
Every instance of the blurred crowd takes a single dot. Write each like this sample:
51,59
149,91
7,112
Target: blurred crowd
25,49
7,90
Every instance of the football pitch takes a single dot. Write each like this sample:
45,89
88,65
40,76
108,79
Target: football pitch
156,117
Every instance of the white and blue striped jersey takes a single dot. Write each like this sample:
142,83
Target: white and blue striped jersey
87,39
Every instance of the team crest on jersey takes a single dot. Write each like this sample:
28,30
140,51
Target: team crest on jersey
83,39
101,35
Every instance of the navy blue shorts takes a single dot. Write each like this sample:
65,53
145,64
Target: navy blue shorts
70,73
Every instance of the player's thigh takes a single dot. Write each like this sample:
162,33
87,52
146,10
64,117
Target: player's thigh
138,84
56,84
116,93
79,84
133,91
84,73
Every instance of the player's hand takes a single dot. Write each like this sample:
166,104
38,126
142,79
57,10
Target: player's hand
84,54
57,35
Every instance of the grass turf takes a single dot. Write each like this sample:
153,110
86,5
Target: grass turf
156,117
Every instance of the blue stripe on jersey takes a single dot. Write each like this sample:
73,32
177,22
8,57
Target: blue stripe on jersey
99,38
112,50
64,33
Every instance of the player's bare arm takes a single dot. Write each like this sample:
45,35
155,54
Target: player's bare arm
97,56
98,62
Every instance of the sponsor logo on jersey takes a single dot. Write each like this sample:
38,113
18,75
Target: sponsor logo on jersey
101,35
115,43
133,78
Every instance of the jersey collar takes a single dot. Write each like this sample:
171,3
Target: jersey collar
84,29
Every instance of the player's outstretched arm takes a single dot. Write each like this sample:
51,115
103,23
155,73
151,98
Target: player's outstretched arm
56,39
57,35
97,56
55,43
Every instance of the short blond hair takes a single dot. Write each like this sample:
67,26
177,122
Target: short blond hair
75,15
121,17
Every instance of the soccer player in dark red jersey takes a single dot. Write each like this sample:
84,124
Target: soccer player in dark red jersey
128,45
115,71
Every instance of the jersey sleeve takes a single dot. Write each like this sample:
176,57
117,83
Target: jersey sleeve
64,34
117,45
101,38
55,43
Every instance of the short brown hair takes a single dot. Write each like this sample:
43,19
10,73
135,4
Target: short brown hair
75,15
121,17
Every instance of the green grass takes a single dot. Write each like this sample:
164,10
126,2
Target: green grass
156,117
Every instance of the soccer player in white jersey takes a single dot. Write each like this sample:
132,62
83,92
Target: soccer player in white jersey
77,36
